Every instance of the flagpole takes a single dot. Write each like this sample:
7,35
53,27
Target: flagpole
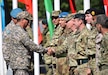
86,4
1,54
35,33
14,4
56,4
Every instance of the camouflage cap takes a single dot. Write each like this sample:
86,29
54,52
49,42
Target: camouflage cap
24,15
70,16
56,13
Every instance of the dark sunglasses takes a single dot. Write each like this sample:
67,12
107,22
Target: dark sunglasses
54,17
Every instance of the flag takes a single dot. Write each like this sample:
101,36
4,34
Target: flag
3,13
72,6
28,4
106,6
49,9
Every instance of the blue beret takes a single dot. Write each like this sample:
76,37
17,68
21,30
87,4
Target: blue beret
15,12
63,14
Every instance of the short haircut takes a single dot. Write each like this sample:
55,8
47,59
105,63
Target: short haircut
102,19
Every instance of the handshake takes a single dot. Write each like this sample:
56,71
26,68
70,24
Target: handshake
50,51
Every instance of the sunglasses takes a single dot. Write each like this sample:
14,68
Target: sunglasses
54,17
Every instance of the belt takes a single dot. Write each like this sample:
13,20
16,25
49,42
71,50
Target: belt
103,67
91,56
61,55
82,61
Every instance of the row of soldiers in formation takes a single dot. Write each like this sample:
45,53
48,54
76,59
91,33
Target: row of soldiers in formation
73,50
78,46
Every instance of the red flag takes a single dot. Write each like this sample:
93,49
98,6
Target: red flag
72,6
39,36
28,4
106,6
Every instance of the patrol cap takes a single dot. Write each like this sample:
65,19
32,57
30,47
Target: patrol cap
69,16
56,13
63,14
24,15
94,11
81,11
15,12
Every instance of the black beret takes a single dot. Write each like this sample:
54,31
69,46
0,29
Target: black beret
94,11
80,16
44,21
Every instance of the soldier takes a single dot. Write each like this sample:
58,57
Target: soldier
80,44
45,31
7,31
65,32
20,45
102,26
94,39
60,49
57,31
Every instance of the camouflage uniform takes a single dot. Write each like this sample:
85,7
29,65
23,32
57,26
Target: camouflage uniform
19,46
30,32
91,50
80,49
104,55
5,34
51,60
61,64
45,36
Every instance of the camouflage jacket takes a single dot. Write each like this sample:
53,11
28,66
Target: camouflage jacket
81,44
6,42
59,47
57,33
30,32
104,50
20,46
45,36
91,45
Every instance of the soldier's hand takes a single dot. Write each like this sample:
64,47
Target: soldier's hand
50,51
88,70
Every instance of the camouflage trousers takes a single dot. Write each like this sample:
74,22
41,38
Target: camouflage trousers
103,70
89,66
62,67
20,72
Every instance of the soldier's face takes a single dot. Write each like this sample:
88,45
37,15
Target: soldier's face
77,23
70,24
55,21
89,18
26,21
62,22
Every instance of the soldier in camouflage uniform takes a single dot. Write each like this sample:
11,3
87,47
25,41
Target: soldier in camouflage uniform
94,39
45,31
48,59
102,26
61,50
20,45
78,53
7,31
60,69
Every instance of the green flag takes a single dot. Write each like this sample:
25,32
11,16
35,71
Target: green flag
49,9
